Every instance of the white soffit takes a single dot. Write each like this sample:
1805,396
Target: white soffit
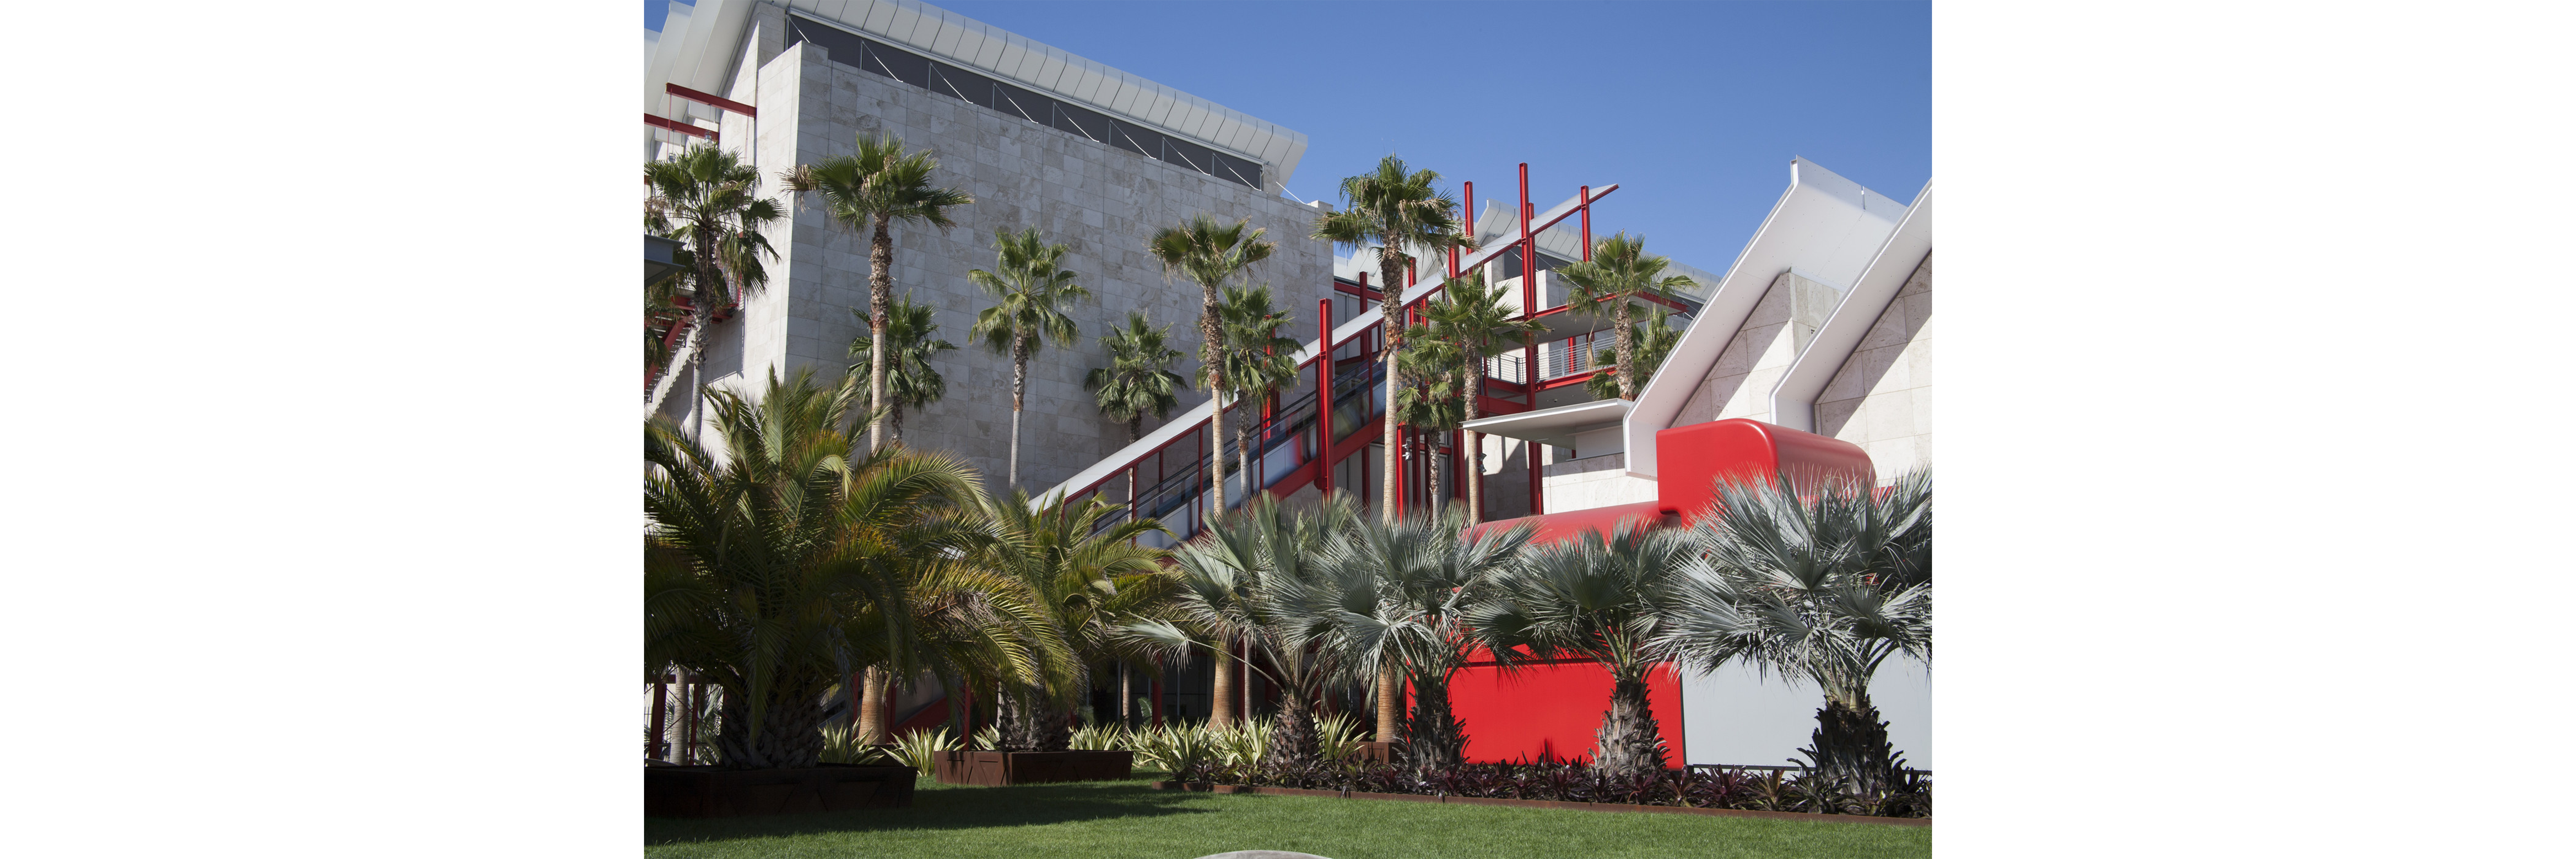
1556,426
697,50
1793,401
1826,226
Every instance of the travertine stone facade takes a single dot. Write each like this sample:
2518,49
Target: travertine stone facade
1100,201
1739,385
1882,397
1596,481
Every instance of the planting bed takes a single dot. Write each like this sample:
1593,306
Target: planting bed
1542,803
703,791
999,769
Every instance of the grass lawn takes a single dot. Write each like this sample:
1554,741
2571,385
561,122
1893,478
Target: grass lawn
1127,820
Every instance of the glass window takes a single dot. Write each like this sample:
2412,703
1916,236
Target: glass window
959,83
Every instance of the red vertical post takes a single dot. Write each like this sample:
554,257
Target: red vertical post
1324,396
1587,223
1529,348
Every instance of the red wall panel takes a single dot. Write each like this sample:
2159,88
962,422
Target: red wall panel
1552,709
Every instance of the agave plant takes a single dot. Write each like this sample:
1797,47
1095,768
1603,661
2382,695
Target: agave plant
919,749
1098,738
842,744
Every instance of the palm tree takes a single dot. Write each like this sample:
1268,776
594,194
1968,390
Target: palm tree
1430,398
1655,340
710,201
1470,316
1137,382
1403,589
1210,253
1619,274
1598,599
1401,213
1256,579
911,382
871,190
767,556
1088,579
1822,583
1256,363
1030,295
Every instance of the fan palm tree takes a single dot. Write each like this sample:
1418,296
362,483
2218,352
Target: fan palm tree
710,201
1209,253
1471,317
1400,212
1256,580
1655,340
1619,274
911,382
1430,399
1031,294
879,185
1403,590
1823,583
1256,363
1600,599
767,556
1088,579
1138,381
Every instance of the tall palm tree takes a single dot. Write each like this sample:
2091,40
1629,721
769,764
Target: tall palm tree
1655,340
1430,402
1470,316
1619,274
1399,211
879,185
1823,583
1088,579
1138,381
1209,253
912,338
1256,580
1031,293
1600,599
767,555
1256,362
710,201
1403,590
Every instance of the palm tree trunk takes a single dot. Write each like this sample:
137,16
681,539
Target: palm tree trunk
1627,349
1432,462
1210,343
1221,688
1629,744
1292,739
1390,268
880,307
1019,387
1475,448
877,691
894,421
1134,426
1434,739
1243,453
1126,684
1390,702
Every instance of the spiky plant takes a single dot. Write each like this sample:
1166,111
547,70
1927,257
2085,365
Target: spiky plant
1087,579
1401,592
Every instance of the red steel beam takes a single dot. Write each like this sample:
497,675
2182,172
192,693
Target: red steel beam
668,125
710,100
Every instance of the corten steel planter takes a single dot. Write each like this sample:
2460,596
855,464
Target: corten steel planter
999,769
704,791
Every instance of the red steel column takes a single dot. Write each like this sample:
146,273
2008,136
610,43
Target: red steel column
1587,223
1324,396
1529,347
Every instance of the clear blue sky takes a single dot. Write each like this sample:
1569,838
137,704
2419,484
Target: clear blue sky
1693,108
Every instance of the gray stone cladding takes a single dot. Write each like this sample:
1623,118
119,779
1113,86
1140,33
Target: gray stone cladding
1100,201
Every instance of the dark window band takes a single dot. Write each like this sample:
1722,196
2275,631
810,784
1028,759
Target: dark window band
870,55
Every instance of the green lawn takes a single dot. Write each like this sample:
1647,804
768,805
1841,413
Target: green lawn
1126,820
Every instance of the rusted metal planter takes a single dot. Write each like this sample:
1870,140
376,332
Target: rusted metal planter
702,791
999,769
